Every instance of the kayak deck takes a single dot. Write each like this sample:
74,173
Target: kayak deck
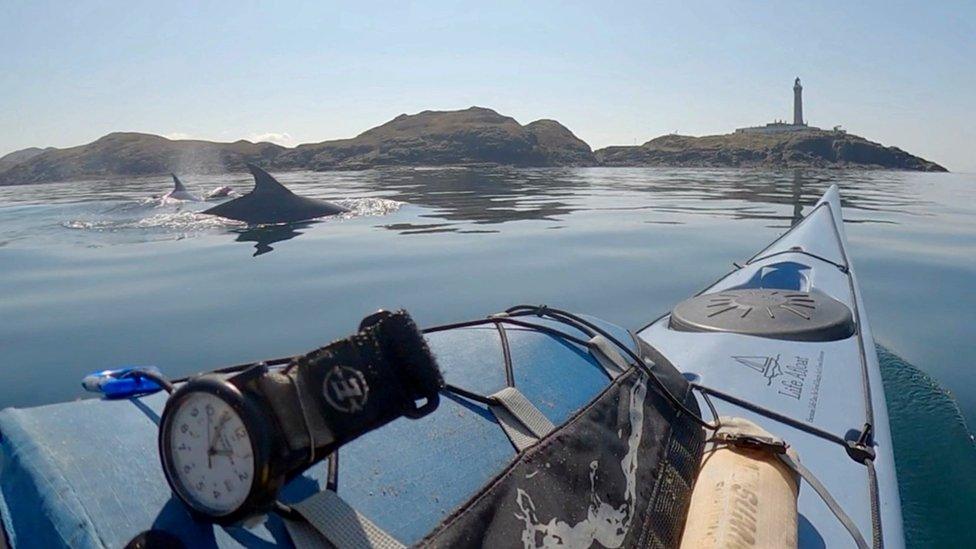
87,473
828,390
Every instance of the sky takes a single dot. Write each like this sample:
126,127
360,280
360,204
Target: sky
900,73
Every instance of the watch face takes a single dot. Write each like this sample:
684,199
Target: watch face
210,455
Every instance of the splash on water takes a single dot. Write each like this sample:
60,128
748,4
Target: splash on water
185,218
367,207
179,221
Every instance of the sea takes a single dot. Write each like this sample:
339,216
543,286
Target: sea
100,274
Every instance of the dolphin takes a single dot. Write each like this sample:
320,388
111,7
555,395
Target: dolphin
219,192
179,192
270,202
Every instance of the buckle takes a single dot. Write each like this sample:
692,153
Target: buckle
124,382
753,442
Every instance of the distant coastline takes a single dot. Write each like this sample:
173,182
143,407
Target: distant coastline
474,136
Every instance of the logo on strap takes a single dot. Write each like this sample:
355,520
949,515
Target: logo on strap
345,389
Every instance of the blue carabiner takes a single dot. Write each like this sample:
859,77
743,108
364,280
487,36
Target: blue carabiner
122,382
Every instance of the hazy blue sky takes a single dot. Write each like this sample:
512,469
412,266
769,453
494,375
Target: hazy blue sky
900,73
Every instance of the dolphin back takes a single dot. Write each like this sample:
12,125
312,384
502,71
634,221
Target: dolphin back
265,184
177,184
270,202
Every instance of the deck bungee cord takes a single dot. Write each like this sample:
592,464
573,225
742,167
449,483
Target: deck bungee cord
508,317
575,321
514,316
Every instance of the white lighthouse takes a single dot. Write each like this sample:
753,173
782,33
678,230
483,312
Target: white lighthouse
797,103
781,126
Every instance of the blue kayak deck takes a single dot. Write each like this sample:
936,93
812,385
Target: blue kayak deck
87,473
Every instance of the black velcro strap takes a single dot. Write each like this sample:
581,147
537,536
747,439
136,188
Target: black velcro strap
371,378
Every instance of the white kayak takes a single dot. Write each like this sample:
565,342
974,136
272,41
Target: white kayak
784,342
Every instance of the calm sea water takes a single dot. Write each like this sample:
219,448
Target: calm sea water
96,274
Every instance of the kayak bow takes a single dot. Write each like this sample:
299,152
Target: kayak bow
784,341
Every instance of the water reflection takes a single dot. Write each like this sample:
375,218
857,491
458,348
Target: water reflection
487,196
797,193
266,235
455,198
459,201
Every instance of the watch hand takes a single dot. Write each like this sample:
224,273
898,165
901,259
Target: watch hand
218,437
223,421
229,452
209,445
213,436
219,431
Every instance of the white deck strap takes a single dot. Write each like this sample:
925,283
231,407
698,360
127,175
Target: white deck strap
331,522
610,360
828,499
734,429
522,422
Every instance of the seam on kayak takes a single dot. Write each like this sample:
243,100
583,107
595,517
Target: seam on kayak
868,405
877,531
782,236
755,256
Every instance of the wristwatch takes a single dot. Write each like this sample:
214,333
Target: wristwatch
229,443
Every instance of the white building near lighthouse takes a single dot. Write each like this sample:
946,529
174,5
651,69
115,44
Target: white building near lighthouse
779,126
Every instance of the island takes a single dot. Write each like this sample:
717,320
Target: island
126,154
471,137
812,148
17,157
476,136
778,144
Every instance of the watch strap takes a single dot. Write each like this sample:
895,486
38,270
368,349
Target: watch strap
284,396
360,383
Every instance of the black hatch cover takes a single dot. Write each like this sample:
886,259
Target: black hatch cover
776,314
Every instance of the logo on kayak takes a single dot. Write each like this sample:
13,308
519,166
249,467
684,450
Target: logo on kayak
791,376
768,366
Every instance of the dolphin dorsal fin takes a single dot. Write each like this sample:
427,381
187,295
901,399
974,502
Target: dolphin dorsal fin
264,183
178,185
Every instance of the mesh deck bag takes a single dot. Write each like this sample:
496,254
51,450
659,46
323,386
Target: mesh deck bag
618,473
